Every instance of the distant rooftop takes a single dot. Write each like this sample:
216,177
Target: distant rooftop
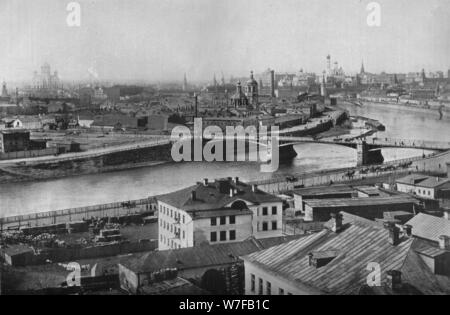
348,202
323,190
423,180
429,227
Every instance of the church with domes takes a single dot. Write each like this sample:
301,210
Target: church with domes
246,96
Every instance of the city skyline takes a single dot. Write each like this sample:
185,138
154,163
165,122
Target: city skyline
122,43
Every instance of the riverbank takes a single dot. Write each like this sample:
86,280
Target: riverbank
11,176
401,106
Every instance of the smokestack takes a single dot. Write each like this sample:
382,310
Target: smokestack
336,222
236,180
394,232
196,104
205,182
394,279
272,83
444,242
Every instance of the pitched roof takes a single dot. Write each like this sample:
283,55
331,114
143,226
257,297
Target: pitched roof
358,245
215,195
423,181
429,227
350,202
200,256
324,190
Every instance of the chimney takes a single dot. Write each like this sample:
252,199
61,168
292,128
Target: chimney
394,232
205,182
231,192
444,242
447,214
336,222
408,230
394,279
193,195
236,180
254,188
272,83
196,104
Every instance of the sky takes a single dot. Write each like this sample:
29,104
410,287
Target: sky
160,40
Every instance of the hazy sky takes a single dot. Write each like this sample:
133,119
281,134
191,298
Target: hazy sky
162,39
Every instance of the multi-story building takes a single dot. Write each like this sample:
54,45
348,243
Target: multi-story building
223,211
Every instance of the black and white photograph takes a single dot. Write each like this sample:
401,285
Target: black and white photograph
224,152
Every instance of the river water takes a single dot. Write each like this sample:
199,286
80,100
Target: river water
20,198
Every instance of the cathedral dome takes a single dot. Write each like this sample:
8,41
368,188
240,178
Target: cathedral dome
252,80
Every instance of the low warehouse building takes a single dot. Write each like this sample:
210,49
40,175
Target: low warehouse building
369,208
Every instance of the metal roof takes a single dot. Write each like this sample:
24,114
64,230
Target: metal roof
429,227
358,245
350,202
200,256
215,195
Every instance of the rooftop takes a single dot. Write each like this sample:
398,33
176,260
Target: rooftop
215,196
200,256
423,181
354,248
324,190
177,286
429,227
352,202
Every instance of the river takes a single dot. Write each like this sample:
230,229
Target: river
20,198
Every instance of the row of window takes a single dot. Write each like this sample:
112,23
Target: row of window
173,214
172,229
261,291
264,226
223,220
169,242
223,236
424,192
265,211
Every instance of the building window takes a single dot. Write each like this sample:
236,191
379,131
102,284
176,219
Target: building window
264,211
268,288
232,235
223,220
213,221
252,283
260,284
171,213
184,234
265,226
213,236
274,225
184,221
274,210
223,235
232,219
280,291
